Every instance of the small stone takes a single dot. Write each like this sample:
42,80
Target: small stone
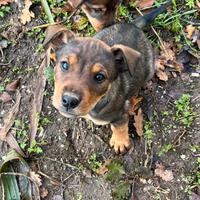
195,74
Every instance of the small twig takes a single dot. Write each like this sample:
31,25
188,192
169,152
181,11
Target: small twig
6,63
67,164
60,22
177,139
155,32
54,182
69,176
195,98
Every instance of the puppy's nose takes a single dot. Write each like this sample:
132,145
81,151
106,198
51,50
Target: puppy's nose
70,102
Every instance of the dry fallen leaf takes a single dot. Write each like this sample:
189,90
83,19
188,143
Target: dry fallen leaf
198,43
43,192
167,59
198,3
5,97
11,87
5,2
144,3
169,54
40,83
189,30
26,13
134,104
104,168
160,70
9,120
194,197
74,3
160,171
139,122
35,178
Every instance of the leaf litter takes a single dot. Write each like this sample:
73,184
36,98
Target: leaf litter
163,173
26,13
167,58
5,134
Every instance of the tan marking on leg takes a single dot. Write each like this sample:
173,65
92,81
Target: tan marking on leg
120,139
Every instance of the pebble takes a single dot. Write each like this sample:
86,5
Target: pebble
3,44
195,74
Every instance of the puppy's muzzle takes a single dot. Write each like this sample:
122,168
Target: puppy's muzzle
70,102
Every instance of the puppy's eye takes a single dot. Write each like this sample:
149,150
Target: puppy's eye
64,65
99,77
97,12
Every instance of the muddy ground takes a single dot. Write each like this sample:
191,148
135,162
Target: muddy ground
69,144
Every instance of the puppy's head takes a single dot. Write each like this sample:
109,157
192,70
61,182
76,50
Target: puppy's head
101,13
85,70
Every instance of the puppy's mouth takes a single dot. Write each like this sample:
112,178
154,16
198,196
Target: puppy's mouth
71,113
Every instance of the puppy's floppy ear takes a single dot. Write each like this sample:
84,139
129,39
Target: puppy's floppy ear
126,58
56,35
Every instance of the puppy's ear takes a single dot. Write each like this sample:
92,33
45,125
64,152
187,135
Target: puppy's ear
126,58
56,35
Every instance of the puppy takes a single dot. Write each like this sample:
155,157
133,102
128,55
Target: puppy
101,13
95,78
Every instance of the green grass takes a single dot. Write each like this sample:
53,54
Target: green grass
49,74
94,164
34,148
165,148
4,10
184,110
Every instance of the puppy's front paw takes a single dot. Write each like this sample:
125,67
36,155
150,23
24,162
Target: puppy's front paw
120,143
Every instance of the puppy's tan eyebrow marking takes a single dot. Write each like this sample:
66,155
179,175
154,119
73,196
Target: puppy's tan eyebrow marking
72,59
97,67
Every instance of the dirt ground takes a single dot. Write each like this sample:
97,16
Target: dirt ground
68,144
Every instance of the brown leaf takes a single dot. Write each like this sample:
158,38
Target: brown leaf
11,87
134,104
5,97
144,3
43,192
194,197
198,3
178,67
40,83
35,178
198,43
168,54
74,3
10,119
5,2
104,168
5,135
26,13
139,122
160,70
160,171
189,30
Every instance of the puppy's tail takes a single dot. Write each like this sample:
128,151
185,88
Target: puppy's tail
143,21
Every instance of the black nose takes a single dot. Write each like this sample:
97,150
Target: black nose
70,102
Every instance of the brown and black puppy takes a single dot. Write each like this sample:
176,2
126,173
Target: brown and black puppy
96,77
101,13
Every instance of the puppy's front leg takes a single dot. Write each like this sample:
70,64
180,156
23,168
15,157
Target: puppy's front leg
120,139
